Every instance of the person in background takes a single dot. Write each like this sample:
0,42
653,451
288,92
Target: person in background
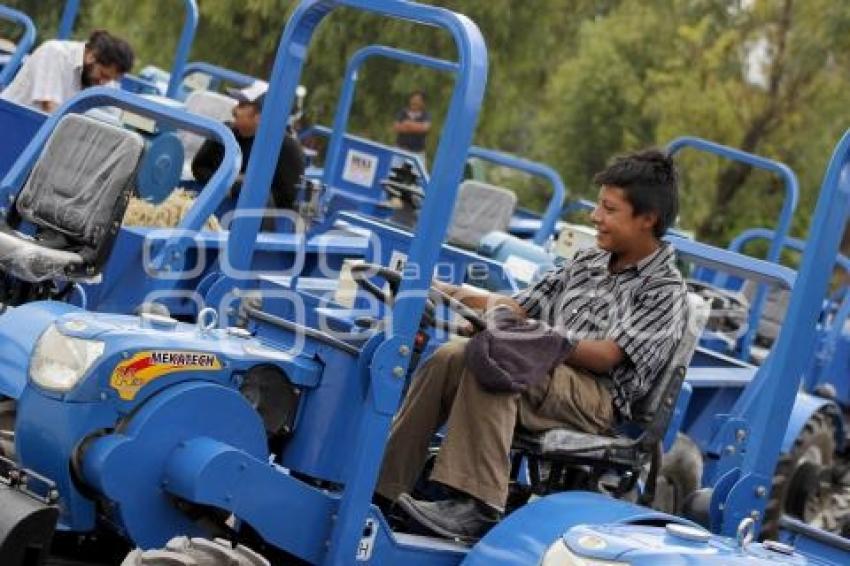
412,125
58,70
246,122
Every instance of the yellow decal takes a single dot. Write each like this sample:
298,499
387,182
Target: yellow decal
134,373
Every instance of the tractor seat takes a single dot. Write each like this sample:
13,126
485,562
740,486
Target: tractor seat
652,413
74,199
775,306
480,208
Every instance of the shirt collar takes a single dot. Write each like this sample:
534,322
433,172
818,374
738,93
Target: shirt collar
663,255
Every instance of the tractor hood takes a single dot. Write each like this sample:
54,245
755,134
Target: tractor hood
580,528
641,545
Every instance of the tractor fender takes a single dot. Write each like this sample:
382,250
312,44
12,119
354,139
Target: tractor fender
20,329
523,537
806,405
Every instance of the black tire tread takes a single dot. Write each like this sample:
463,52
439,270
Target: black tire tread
819,427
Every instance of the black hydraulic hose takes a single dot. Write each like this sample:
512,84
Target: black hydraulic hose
261,315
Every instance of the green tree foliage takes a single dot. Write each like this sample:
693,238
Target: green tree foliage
651,71
571,82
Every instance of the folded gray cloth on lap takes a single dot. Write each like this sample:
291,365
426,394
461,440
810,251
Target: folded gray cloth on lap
514,352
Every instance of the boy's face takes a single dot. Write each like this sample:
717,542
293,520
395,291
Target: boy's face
618,229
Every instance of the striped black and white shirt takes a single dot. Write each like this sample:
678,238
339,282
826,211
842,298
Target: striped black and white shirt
642,308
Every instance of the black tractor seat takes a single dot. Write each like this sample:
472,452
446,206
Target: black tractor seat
73,201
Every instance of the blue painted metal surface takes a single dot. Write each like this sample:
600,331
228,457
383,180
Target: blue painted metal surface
830,548
740,241
792,192
433,221
217,74
341,145
360,398
366,195
69,17
160,167
806,405
559,191
24,122
796,244
523,537
147,512
184,45
767,402
25,43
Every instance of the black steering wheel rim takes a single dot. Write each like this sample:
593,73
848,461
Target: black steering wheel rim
407,192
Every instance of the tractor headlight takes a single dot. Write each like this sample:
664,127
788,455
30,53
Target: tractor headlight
560,555
59,361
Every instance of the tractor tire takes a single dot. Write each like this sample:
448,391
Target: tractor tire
680,475
814,449
182,551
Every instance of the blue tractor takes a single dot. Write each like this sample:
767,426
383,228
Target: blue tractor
271,433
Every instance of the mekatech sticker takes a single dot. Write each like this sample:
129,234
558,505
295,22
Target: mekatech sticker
132,374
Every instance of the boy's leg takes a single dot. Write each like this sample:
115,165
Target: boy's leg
474,456
424,410
572,398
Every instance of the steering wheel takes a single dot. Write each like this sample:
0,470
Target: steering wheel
402,184
411,193
362,273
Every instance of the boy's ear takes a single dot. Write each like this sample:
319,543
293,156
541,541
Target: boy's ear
649,220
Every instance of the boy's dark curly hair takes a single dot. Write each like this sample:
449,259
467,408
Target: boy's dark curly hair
650,181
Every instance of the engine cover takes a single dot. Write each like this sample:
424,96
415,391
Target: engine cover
127,466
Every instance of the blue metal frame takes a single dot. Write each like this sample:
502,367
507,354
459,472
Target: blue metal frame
343,109
559,191
237,79
385,389
69,17
791,243
184,46
766,403
792,192
23,47
834,332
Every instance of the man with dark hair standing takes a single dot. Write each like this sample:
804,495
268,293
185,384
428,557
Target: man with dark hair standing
412,125
58,70
622,307
246,121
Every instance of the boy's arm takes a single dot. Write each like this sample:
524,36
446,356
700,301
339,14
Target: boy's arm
478,299
598,356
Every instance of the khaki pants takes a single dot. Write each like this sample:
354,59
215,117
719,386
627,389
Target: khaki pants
474,456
